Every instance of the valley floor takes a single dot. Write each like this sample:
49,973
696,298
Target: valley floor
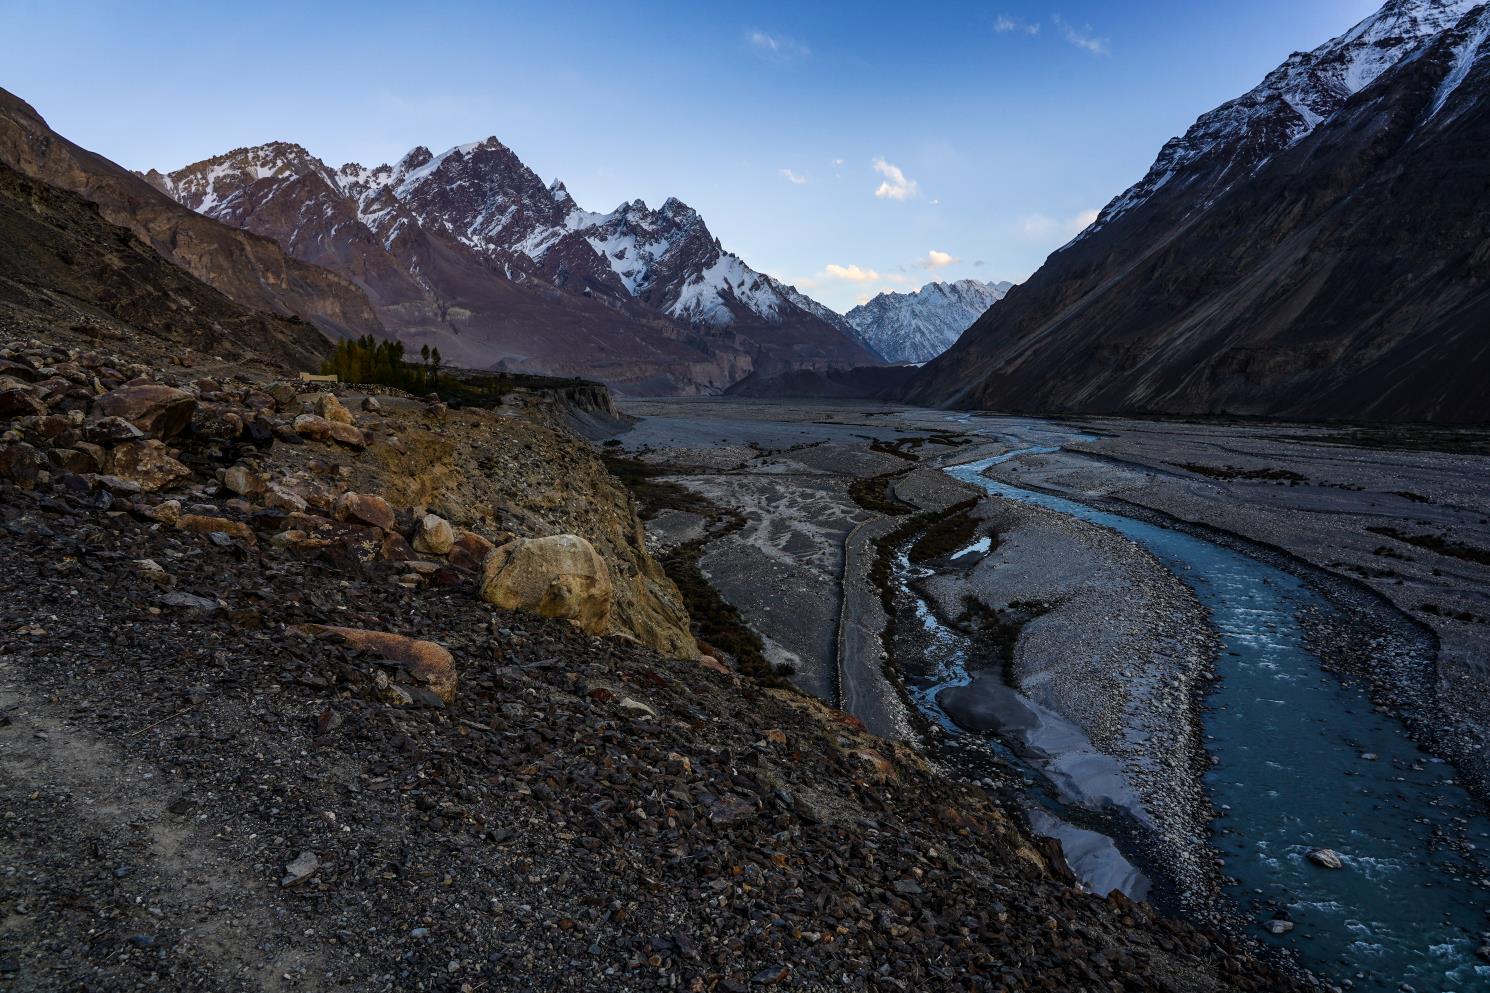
1388,528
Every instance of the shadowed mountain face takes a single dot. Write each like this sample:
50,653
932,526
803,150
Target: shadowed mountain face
251,271
66,273
470,252
1319,248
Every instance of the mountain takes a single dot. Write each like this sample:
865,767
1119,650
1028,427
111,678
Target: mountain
1319,248
66,274
251,271
919,326
471,252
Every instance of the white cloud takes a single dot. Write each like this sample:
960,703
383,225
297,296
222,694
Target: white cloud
1043,227
896,185
834,273
937,260
1005,24
1083,38
777,47
796,179
837,163
851,273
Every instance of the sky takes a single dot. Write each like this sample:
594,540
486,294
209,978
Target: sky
847,148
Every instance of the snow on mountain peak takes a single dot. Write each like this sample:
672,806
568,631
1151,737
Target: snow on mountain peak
1240,136
919,325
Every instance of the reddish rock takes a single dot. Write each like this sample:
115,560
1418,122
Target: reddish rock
364,508
426,661
202,524
470,551
159,411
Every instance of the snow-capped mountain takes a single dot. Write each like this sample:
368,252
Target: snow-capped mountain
426,232
1236,139
920,325
1318,250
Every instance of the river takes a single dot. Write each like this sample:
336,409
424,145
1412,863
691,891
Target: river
1303,761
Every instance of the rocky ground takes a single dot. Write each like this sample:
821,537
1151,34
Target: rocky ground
249,745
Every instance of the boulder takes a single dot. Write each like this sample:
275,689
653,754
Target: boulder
242,480
1326,858
20,401
433,535
111,431
149,463
329,407
159,411
364,508
470,550
22,464
558,576
283,395
281,497
320,429
428,662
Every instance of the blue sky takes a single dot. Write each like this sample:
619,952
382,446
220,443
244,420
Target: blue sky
845,147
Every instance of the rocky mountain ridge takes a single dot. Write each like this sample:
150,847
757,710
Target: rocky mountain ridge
1339,273
922,324
450,246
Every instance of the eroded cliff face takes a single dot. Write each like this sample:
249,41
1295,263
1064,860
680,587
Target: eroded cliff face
508,474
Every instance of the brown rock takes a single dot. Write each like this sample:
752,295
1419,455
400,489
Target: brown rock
329,407
148,463
202,524
319,429
20,401
159,411
242,480
395,548
558,576
433,535
427,661
364,508
470,550
281,497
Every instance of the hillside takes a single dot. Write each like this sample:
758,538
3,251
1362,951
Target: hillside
251,271
1317,249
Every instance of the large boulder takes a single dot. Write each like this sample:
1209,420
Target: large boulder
159,411
558,576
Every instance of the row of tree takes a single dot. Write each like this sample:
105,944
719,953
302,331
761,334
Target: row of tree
367,360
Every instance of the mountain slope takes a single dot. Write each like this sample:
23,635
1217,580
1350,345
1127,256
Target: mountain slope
66,273
920,325
251,271
1346,275
469,251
